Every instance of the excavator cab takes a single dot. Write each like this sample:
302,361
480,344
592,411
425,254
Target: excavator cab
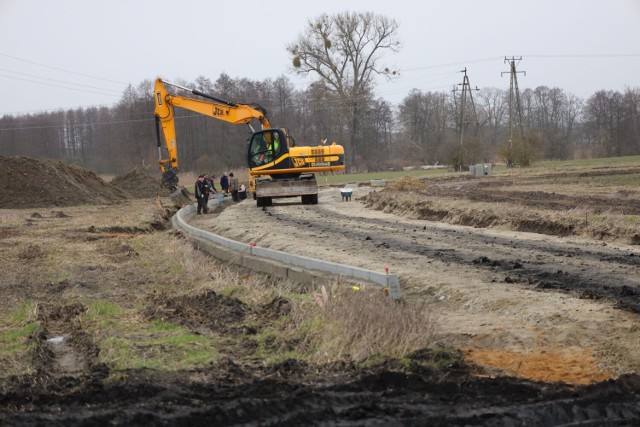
265,147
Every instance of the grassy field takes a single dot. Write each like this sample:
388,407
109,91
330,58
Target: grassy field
188,178
547,167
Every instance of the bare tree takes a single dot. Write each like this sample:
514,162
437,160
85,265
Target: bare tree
492,106
423,117
603,113
549,116
323,119
631,101
344,51
282,92
377,131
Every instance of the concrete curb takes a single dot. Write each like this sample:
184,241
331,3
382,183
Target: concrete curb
254,257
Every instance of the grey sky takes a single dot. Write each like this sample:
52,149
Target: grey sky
81,53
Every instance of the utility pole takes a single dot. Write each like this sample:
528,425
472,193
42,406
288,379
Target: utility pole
514,98
466,88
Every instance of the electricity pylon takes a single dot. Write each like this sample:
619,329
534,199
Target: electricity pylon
466,89
515,107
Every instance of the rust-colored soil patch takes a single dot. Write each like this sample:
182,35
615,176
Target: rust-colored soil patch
576,366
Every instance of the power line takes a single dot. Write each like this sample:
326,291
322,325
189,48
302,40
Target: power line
453,64
62,69
118,122
55,80
604,55
49,84
88,124
382,93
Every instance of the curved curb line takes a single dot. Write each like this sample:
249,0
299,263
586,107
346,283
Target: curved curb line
390,281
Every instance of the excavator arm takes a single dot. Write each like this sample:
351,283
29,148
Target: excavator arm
278,167
213,107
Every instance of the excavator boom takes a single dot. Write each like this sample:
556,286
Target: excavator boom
215,107
277,166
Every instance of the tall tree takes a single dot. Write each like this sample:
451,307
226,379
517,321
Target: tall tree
344,51
377,131
423,117
631,100
321,116
492,111
604,113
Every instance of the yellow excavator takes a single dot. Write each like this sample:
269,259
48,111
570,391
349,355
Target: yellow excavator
278,167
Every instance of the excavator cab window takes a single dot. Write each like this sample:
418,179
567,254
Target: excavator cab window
265,147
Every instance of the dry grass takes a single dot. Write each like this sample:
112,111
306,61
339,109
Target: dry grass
408,183
360,324
110,260
10,217
201,272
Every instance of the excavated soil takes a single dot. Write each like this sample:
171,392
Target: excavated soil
140,183
546,322
31,183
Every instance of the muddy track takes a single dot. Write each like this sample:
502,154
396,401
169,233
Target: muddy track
288,394
62,348
500,193
590,271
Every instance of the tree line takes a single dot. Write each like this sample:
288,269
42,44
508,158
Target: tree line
422,130
344,53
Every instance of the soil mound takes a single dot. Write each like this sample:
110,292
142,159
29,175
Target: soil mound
140,184
408,183
207,310
30,183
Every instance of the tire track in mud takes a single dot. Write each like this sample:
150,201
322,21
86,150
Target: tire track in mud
590,273
63,348
378,396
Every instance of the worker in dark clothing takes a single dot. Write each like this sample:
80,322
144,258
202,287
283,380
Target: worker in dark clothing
207,191
210,179
224,183
234,187
202,195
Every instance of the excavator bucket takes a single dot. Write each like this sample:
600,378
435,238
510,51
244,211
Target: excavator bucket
179,195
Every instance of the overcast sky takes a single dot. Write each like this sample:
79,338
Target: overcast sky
82,53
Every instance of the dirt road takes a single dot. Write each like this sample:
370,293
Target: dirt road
536,306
